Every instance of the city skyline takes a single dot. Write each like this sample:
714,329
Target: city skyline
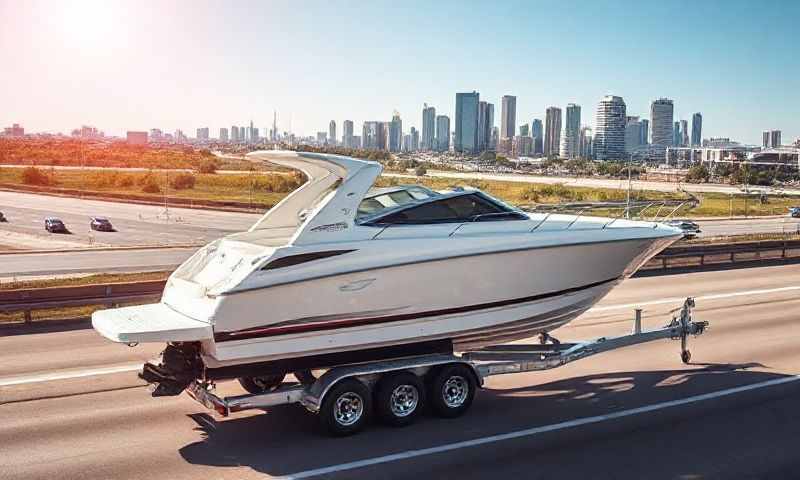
103,70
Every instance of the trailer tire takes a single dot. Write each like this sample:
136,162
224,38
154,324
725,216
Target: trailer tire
346,407
261,384
399,398
451,389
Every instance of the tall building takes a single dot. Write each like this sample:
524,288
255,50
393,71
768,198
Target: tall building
661,126
414,139
645,129
633,134
697,129
676,134
395,133
223,134
587,143
537,132
202,133
14,130
572,132
373,136
523,130
772,139
322,138
234,133
552,131
609,136
508,116
442,133
521,146
428,127
347,134
332,132
684,133
466,128
485,125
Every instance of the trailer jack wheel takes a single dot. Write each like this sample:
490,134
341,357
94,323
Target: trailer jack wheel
686,356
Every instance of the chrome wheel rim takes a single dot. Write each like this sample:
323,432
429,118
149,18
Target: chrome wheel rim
349,409
404,400
454,391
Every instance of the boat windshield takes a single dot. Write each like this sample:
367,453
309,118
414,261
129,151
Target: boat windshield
453,208
383,199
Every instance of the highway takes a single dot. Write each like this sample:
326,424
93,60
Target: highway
71,406
135,224
614,183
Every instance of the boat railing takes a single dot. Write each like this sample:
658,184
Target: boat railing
633,211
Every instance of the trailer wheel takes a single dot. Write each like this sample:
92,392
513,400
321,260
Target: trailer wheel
346,407
451,390
261,384
399,398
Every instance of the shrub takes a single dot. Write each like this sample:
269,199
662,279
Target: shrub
182,181
34,176
150,185
421,171
207,166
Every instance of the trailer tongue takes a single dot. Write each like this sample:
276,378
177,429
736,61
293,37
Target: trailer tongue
344,395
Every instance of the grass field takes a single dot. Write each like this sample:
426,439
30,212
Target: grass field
254,187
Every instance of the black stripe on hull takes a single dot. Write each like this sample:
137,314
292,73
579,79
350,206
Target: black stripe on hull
272,331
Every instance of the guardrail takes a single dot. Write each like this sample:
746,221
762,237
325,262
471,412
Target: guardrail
681,256
110,295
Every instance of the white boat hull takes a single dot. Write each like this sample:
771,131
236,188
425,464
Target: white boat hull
474,300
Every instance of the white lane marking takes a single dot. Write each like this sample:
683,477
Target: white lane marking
529,432
65,375
714,296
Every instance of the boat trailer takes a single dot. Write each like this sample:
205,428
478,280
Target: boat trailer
344,394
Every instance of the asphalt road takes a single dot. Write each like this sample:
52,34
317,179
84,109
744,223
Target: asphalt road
633,413
135,224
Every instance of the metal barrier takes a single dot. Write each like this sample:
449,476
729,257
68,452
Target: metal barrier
110,295
681,256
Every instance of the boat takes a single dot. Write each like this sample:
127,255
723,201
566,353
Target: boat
341,272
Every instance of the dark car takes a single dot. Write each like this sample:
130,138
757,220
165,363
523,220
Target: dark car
54,225
690,229
101,223
794,212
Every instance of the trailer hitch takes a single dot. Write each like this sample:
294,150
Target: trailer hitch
683,326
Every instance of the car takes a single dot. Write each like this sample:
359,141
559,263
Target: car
794,212
690,228
101,223
55,225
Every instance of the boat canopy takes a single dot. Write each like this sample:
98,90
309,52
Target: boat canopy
326,203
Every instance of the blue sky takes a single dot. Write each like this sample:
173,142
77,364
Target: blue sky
137,65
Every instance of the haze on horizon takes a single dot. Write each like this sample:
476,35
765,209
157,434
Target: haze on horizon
125,65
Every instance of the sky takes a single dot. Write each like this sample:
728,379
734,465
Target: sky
141,64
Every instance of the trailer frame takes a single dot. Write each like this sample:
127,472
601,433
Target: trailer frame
482,363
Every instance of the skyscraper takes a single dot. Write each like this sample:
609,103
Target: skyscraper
508,116
223,134
347,134
772,139
332,132
587,143
485,125
633,134
374,136
442,133
661,126
537,132
414,139
523,130
428,127
234,133
676,134
645,129
609,137
552,131
697,129
684,133
466,128
395,133
572,131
